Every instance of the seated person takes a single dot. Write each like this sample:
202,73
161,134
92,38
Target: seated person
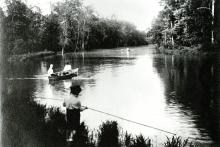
50,70
67,67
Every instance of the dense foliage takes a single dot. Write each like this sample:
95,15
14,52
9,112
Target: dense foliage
183,23
108,135
70,26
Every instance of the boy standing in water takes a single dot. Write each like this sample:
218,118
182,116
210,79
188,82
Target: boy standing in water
73,109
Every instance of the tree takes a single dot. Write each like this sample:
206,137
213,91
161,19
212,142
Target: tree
2,39
23,28
185,24
82,29
51,34
70,26
70,14
36,28
16,24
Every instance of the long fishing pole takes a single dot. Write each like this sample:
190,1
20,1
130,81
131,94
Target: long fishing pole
119,117
131,121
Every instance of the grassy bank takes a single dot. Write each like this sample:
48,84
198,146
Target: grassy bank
23,57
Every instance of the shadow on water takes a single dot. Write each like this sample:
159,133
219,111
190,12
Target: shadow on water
192,84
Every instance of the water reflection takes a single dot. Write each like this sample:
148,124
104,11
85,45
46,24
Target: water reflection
190,85
125,91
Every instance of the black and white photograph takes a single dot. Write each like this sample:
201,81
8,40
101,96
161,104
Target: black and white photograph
109,73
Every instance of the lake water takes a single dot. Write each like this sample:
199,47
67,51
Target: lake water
172,93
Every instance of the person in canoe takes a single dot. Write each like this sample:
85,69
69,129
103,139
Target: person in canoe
73,109
50,70
67,67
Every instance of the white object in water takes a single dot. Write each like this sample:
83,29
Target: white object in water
50,70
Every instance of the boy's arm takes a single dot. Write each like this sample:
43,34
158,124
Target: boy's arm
82,108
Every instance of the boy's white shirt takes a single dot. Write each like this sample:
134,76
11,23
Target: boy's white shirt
72,102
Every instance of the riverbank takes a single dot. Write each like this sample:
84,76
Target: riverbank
185,51
23,57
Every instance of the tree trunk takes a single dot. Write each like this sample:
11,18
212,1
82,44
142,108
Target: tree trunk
217,21
213,16
83,36
165,38
172,39
77,40
63,50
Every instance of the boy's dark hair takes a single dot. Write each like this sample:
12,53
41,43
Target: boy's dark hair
75,90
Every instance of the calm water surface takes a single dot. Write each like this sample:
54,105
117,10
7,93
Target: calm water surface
177,94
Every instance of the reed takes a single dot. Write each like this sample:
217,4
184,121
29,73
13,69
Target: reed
177,142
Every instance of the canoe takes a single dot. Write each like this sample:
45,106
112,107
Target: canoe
63,75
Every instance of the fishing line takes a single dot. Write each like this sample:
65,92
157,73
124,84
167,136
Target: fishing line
119,117
131,121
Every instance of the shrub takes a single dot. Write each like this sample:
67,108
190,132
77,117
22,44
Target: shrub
108,135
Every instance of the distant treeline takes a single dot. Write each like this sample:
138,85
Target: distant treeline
70,26
184,23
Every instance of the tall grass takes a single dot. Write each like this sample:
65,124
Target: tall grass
138,141
177,142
